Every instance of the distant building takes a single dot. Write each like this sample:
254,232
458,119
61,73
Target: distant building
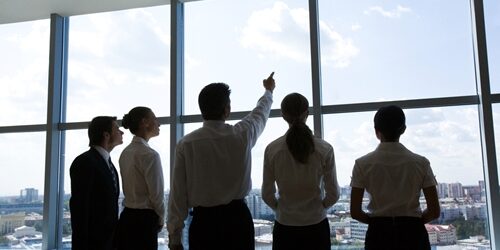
9,222
263,227
450,212
474,212
441,234
442,190
29,195
258,208
358,230
455,190
472,193
25,231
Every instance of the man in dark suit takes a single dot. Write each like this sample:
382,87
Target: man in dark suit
95,188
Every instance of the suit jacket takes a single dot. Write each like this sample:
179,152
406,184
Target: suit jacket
94,202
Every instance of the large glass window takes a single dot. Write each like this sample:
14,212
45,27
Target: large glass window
449,138
391,50
119,60
241,43
21,190
24,73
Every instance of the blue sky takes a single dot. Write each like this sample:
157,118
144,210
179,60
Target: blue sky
388,50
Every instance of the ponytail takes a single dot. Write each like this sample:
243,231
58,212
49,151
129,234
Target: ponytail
300,141
299,138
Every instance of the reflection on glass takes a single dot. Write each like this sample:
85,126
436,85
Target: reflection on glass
119,60
21,190
77,143
449,138
261,37
391,50
24,73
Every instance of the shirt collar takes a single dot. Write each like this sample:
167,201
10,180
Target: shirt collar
102,152
390,146
213,123
139,139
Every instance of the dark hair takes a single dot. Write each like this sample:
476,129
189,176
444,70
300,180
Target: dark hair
133,119
299,138
98,126
213,100
390,121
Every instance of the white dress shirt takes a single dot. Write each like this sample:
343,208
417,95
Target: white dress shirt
394,177
142,178
212,165
305,191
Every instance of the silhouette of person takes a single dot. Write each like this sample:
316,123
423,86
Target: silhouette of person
212,174
303,169
394,177
143,215
95,188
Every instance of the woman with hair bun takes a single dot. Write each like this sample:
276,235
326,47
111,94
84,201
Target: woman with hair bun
303,169
143,215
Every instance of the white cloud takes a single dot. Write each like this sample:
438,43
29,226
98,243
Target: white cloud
356,27
336,49
283,31
395,13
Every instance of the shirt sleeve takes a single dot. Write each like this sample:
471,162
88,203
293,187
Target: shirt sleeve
178,202
255,122
153,174
357,176
429,178
268,183
332,192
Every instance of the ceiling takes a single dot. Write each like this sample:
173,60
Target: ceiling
13,11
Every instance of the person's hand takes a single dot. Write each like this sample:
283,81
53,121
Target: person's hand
269,83
175,247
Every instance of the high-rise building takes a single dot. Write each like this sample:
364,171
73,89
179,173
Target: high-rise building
455,190
29,195
442,190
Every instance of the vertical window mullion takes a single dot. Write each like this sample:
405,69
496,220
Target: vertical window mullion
486,120
54,165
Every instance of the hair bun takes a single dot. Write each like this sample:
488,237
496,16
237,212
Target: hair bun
126,121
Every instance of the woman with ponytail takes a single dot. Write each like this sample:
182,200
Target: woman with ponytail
143,215
303,169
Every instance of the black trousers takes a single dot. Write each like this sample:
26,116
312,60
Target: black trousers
222,227
138,229
312,237
391,233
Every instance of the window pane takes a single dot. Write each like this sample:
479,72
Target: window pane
21,189
492,21
449,138
119,60
391,50
77,143
24,73
261,37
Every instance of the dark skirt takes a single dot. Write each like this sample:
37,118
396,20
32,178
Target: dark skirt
396,233
138,229
312,237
